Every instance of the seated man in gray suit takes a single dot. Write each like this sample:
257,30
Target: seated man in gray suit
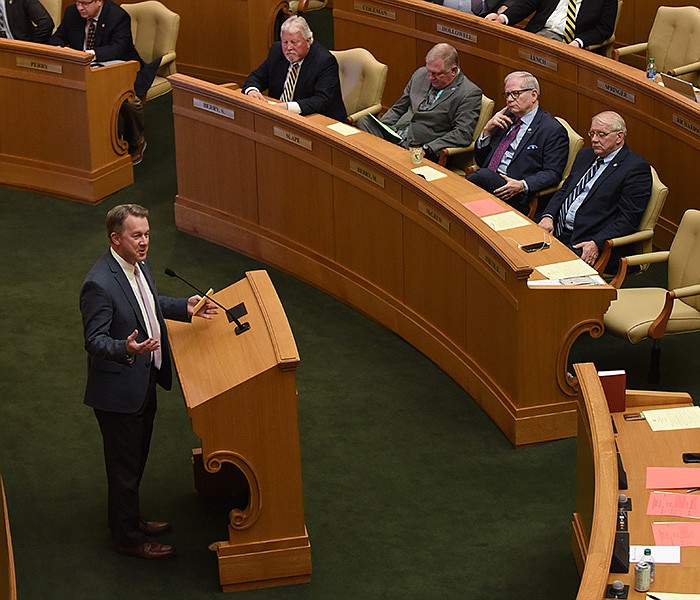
438,108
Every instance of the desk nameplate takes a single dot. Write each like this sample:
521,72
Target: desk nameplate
616,91
376,11
493,264
214,108
690,126
368,174
538,60
434,215
294,138
457,33
29,63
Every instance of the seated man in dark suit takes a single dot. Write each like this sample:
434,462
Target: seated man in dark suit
299,72
25,20
589,21
604,196
522,149
103,28
438,108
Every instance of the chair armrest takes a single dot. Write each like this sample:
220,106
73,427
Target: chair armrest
632,238
168,58
626,50
658,328
374,110
685,69
445,153
636,259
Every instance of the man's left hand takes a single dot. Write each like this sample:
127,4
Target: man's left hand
207,311
589,251
513,187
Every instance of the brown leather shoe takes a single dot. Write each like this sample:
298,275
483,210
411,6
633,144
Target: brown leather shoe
148,550
137,153
151,528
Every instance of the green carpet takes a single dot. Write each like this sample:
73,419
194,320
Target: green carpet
410,490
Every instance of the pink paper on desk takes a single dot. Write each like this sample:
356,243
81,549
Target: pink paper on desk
485,207
673,505
669,478
676,534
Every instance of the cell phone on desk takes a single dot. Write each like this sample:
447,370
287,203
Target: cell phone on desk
691,457
535,247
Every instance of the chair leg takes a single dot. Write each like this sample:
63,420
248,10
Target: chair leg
655,366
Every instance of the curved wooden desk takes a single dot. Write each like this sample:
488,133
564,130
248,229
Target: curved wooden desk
349,216
597,486
58,122
663,126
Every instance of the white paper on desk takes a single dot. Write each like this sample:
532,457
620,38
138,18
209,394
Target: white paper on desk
669,419
505,220
586,280
675,596
428,172
668,555
568,268
344,129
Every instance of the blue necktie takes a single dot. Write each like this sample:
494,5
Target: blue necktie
587,176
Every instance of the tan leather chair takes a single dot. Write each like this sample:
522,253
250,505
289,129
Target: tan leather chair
461,159
674,42
575,144
304,6
55,9
154,29
607,46
362,81
645,233
640,313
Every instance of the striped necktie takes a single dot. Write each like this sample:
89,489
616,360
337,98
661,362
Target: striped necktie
90,40
3,25
587,176
570,25
288,91
150,315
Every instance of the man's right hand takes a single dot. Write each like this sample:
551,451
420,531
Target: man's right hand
496,17
134,348
255,94
547,223
499,121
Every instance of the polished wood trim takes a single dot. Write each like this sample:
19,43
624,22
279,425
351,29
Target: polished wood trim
8,577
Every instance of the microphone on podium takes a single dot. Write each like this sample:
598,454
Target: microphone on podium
234,313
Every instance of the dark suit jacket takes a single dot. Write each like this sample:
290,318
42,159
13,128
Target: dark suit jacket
113,40
448,122
595,21
110,314
488,6
318,84
616,202
29,21
541,155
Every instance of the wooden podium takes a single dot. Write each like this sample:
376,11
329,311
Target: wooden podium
58,122
240,392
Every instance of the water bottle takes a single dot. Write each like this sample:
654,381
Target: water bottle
651,70
649,559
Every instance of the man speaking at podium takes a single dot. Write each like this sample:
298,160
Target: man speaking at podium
128,354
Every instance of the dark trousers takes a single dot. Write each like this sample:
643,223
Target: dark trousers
131,123
126,440
489,180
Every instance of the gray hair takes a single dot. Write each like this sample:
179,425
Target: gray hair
297,24
529,80
444,52
612,120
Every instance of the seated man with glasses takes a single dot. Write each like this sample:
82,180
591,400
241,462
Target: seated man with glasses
103,28
604,196
522,149
438,108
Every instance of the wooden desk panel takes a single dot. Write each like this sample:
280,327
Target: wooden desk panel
58,122
358,223
575,85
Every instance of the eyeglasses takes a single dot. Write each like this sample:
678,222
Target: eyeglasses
440,73
602,134
80,3
515,94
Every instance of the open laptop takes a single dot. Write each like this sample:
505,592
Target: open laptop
685,88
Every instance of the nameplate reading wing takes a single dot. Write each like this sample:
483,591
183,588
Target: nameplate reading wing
214,108
29,63
538,60
431,213
367,174
375,10
619,92
458,33
685,124
294,138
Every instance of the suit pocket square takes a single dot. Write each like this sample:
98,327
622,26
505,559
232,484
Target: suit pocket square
532,147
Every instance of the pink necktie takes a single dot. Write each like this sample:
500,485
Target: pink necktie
503,146
150,315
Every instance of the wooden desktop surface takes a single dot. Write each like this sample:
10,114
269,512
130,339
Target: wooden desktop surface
663,126
58,122
348,215
597,486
